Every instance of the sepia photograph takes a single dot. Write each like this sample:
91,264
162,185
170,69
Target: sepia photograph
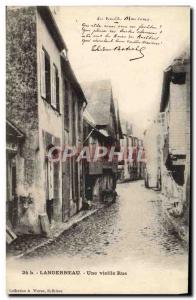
98,150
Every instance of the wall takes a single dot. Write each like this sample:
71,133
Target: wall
177,119
50,121
73,176
21,93
21,97
41,124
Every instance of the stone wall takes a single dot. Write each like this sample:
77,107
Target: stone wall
21,88
22,105
21,70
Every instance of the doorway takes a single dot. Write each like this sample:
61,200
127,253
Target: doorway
12,200
49,168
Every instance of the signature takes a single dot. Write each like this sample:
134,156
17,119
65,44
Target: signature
138,50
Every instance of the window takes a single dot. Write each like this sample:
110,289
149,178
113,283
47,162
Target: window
49,81
55,88
45,76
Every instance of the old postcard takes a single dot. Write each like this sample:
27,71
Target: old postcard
98,149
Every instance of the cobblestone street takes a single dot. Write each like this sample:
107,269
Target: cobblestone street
129,237
133,226
98,150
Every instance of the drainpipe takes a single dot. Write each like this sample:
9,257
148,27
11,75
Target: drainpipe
88,136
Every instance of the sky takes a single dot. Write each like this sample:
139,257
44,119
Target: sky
136,84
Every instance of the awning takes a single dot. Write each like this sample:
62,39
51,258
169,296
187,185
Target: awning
104,132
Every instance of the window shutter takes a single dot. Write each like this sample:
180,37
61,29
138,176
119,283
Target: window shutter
57,93
53,102
43,81
56,167
51,180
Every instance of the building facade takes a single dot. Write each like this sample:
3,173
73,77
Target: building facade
153,153
44,106
131,167
175,114
101,129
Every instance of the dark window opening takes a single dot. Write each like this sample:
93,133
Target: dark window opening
178,174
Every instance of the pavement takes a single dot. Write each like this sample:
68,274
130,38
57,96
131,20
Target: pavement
27,243
137,221
177,224
128,237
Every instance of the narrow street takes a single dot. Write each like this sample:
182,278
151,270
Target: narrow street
128,237
132,227
98,160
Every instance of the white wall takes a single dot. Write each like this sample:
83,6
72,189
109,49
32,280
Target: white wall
49,119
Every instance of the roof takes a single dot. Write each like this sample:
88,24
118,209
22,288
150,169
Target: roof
49,20
175,73
52,26
104,132
89,119
99,97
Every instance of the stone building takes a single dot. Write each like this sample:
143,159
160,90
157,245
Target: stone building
73,173
101,129
126,145
44,109
175,128
132,165
175,112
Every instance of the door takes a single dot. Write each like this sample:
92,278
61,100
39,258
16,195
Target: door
49,189
12,203
66,183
